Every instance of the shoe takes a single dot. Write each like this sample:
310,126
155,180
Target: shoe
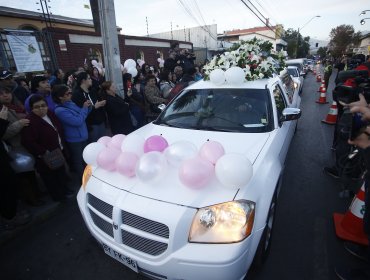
358,251
331,171
352,273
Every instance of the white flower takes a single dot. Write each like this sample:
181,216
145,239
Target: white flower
247,68
264,65
261,75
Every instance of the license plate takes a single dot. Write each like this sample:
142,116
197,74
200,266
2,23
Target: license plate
121,258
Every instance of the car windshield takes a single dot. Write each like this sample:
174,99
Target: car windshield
293,72
230,110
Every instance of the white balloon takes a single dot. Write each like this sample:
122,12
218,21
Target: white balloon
151,166
130,63
122,68
235,75
133,143
91,152
132,71
179,151
234,170
217,77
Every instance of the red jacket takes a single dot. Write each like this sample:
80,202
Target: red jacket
40,136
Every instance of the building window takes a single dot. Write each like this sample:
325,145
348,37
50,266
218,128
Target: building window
140,55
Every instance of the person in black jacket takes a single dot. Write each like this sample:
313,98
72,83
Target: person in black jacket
96,118
8,195
117,110
362,142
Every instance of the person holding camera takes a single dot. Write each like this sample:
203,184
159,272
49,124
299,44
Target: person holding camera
362,141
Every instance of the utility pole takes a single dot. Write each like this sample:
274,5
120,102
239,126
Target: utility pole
49,41
171,32
112,59
147,27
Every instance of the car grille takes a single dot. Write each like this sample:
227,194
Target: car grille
135,241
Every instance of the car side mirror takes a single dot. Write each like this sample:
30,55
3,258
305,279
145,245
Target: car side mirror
290,114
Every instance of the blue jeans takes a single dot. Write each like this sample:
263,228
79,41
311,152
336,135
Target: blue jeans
77,163
96,131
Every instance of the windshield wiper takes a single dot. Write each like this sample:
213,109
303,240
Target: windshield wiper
168,124
210,128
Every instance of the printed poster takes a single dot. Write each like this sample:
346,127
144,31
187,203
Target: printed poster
26,52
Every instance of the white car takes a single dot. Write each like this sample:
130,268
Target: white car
166,230
296,76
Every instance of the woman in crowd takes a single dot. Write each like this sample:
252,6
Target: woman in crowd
97,79
153,97
22,162
96,118
44,134
117,110
137,100
165,83
8,195
73,119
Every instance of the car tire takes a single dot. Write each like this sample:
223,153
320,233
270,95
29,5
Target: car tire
264,245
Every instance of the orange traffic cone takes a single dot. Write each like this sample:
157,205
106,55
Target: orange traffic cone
350,225
318,77
331,118
322,87
322,99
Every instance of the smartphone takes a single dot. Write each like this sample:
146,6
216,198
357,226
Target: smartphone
358,126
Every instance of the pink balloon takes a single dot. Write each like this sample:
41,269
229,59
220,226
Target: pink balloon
195,173
104,140
107,157
155,143
126,163
116,141
211,151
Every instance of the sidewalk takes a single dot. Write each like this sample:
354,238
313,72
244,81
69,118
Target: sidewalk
39,214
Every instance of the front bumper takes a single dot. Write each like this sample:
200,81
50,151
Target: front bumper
155,235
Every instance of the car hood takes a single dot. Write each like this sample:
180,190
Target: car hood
169,188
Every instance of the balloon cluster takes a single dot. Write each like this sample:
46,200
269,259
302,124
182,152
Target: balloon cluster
149,159
130,65
99,66
233,76
160,62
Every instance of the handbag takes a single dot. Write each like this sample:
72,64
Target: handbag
54,159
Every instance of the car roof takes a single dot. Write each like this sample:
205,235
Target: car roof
257,84
297,60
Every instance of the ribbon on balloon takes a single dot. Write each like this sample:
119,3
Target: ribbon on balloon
149,159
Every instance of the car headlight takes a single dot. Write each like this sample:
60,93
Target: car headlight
223,223
86,176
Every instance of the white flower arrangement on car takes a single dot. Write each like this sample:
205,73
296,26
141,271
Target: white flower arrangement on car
250,60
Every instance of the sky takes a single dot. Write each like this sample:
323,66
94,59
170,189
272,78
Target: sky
137,17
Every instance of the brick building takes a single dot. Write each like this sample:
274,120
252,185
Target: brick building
75,40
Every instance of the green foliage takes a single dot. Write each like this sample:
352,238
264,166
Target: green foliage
342,38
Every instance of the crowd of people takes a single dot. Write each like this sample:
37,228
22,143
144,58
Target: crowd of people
48,119
351,144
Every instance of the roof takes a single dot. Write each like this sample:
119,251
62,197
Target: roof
18,13
248,30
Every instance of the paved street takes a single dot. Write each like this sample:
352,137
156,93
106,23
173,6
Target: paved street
304,244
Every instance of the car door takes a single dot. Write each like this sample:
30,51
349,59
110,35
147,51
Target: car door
285,130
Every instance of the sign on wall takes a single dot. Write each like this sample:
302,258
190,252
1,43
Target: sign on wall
26,51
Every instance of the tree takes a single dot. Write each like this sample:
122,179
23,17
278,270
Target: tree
292,37
322,51
342,38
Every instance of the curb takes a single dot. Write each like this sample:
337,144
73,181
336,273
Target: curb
38,215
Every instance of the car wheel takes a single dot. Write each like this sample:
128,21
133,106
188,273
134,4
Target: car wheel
265,242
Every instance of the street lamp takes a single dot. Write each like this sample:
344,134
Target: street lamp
363,21
364,12
296,51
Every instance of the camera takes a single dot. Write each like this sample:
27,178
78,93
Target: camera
350,84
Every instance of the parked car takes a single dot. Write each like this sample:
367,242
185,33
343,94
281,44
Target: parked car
299,62
171,228
296,76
